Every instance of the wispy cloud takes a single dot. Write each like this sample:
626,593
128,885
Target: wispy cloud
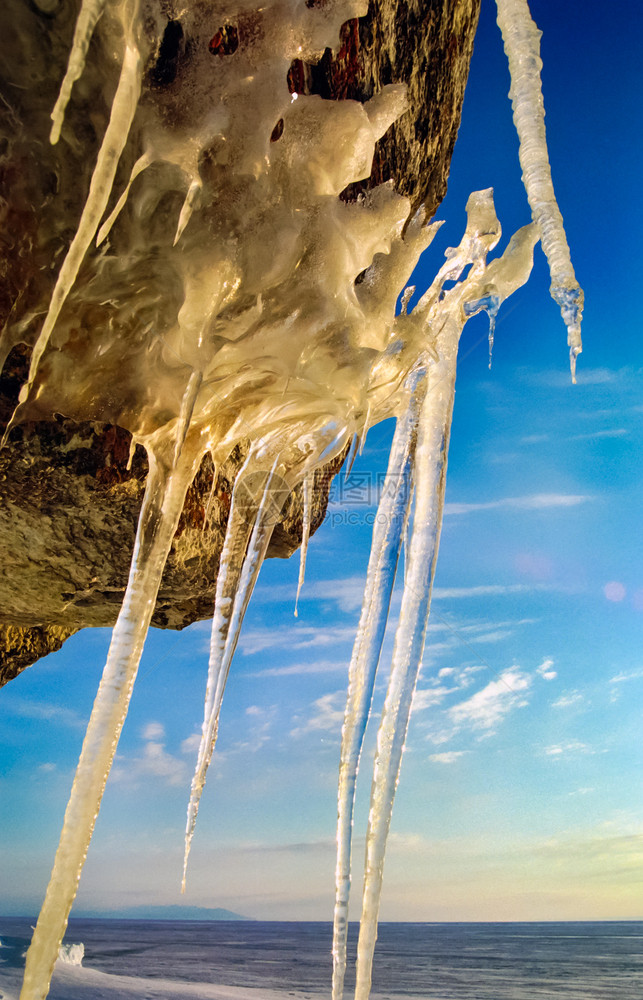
534,438
546,671
584,376
427,697
327,715
535,501
259,728
632,675
484,709
448,757
487,707
153,731
41,711
597,435
484,590
567,749
295,637
191,744
347,593
301,669
154,763
567,699
435,692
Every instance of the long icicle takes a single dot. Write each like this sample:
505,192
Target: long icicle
122,114
307,489
521,39
388,531
162,504
241,560
88,18
430,478
141,164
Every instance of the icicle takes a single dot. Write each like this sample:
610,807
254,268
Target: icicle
407,295
238,572
365,429
430,474
132,451
352,454
490,304
141,164
208,506
187,409
164,495
521,39
492,333
187,209
405,533
122,114
88,18
388,529
307,488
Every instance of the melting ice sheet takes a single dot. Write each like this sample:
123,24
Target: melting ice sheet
209,301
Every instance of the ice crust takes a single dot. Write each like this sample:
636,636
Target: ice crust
71,954
216,306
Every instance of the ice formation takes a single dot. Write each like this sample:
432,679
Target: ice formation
265,340
521,38
71,954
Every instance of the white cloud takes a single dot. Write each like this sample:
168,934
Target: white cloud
448,757
616,432
45,712
154,763
545,670
346,592
311,667
426,697
488,706
598,376
495,636
295,637
632,675
567,699
465,675
328,715
460,677
435,693
153,731
563,749
191,744
584,376
536,501
534,438
484,590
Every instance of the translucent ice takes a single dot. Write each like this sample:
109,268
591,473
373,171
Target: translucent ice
522,44
162,505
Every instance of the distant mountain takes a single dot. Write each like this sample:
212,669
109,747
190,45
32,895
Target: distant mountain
175,912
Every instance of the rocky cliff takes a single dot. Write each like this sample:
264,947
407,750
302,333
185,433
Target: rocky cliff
69,494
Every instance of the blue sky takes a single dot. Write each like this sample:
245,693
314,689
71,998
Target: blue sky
520,795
